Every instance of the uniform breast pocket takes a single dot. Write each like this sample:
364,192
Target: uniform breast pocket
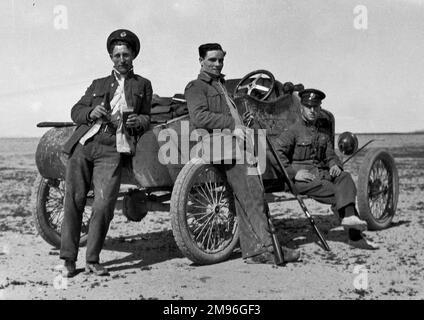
98,97
137,100
303,149
214,102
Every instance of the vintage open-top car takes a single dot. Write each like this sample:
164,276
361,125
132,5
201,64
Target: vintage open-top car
203,218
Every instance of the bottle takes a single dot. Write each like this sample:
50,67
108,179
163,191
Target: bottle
106,105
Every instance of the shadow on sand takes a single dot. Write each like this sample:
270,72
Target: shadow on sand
293,232
144,250
155,247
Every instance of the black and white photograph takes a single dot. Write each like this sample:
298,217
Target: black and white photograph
215,151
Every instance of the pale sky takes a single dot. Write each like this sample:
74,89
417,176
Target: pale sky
372,77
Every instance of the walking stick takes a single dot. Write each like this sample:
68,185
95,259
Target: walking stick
278,253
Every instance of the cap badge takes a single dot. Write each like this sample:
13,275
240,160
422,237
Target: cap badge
312,95
123,34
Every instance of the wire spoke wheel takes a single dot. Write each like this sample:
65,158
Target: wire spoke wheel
210,215
49,210
204,220
378,189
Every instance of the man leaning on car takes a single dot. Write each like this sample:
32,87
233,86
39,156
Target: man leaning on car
98,146
210,107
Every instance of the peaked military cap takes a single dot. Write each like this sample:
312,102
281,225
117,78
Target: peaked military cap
125,36
311,97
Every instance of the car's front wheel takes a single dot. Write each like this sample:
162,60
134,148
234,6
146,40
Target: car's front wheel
204,221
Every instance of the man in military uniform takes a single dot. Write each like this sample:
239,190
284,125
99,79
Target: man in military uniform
307,153
210,107
99,144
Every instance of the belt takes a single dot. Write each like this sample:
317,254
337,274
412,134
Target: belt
107,127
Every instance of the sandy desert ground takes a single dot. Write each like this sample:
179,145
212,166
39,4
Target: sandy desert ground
145,262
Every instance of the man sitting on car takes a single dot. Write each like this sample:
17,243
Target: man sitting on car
308,155
210,107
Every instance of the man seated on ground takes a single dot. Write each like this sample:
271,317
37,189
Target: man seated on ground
307,153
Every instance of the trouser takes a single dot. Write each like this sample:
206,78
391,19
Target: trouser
96,163
255,236
340,192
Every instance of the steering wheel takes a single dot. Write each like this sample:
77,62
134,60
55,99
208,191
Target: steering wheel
250,82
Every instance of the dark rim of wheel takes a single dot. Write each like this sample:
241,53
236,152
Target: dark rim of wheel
381,190
210,211
54,208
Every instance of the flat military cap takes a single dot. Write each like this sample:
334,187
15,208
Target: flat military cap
311,97
125,36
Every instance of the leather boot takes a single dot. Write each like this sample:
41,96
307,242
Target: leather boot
96,268
69,269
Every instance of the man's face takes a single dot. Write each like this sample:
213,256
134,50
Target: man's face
213,62
310,113
122,58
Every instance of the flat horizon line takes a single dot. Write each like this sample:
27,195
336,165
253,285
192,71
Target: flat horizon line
337,133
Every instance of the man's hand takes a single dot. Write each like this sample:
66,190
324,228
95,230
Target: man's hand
98,112
137,121
335,171
304,176
133,121
248,117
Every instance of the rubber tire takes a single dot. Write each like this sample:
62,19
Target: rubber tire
363,188
179,223
39,195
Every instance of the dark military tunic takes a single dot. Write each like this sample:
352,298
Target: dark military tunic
307,146
207,105
97,163
138,93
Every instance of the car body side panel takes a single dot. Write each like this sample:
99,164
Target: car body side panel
153,166
49,158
